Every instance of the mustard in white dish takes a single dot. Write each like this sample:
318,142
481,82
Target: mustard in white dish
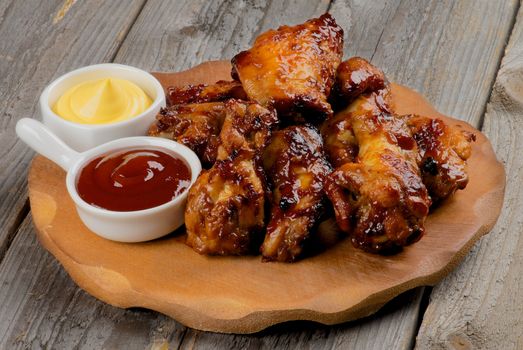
102,101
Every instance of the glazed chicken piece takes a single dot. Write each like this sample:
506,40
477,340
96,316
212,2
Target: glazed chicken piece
444,151
225,213
219,91
341,145
292,69
197,126
296,167
354,77
380,199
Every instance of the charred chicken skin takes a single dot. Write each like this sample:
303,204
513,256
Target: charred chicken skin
292,69
296,167
379,199
197,126
225,211
444,151
219,91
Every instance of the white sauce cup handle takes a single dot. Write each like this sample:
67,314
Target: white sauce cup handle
37,136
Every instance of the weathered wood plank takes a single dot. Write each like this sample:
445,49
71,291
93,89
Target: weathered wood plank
41,307
41,40
447,50
479,306
384,330
174,36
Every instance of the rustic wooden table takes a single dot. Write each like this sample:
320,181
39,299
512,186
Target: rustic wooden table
466,56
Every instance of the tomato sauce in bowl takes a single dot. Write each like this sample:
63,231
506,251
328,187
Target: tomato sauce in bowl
133,179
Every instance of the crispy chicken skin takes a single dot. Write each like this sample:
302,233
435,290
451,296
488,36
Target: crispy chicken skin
296,167
444,151
225,213
354,77
219,91
292,69
379,199
197,126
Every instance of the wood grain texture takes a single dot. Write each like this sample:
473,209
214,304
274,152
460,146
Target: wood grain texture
390,328
447,50
186,33
42,308
40,41
243,295
479,306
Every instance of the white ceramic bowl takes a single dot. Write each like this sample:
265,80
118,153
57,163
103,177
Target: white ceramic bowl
82,137
130,226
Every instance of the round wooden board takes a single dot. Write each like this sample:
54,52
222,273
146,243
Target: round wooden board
242,294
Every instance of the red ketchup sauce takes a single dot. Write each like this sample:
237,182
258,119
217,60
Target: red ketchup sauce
134,179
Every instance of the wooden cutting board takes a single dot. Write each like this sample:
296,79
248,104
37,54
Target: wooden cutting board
242,294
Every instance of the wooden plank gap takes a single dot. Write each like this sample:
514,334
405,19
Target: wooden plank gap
127,30
261,27
329,6
13,230
498,63
182,338
379,41
424,304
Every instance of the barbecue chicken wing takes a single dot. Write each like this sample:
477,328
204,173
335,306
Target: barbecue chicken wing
292,69
444,151
380,199
296,167
225,207
219,91
354,77
197,126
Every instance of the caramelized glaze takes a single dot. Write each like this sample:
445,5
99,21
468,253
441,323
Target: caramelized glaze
380,199
444,151
292,69
296,168
225,212
219,91
197,126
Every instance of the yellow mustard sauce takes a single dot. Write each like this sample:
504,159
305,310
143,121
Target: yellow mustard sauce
102,101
